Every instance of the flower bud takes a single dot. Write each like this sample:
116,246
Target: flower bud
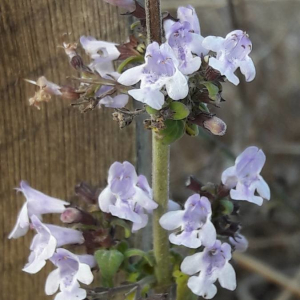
69,93
215,125
75,215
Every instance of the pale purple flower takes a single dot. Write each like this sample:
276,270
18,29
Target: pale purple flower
127,195
102,53
243,178
46,240
212,264
36,204
71,268
232,53
239,243
129,5
160,70
196,229
185,39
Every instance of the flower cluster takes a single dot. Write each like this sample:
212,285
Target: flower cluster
196,226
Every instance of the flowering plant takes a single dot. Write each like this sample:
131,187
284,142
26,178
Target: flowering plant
178,80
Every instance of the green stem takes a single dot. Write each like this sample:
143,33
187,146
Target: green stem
160,185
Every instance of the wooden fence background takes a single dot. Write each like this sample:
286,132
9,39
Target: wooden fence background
55,148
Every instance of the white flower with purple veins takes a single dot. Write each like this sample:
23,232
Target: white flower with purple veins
36,204
185,39
196,229
160,70
46,240
103,54
127,195
243,178
232,53
212,264
71,268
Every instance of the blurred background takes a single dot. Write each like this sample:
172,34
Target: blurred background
57,147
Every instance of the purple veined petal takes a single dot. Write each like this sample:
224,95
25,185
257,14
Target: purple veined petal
39,203
240,243
22,225
196,45
229,178
52,282
202,287
138,226
65,236
105,199
143,199
124,171
188,14
250,161
167,51
172,220
192,264
213,43
247,68
262,188
243,192
118,101
85,274
167,27
177,87
132,75
123,210
227,277
226,250
153,98
87,259
186,238
208,234
191,65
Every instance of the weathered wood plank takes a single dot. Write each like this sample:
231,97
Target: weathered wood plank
56,147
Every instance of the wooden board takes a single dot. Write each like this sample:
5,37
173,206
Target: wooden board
55,148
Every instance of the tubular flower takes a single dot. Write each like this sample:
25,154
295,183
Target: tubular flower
185,39
127,195
212,264
232,53
196,228
160,70
46,240
243,178
71,268
36,204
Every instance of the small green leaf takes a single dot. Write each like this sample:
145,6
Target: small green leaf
138,252
203,107
122,223
191,129
174,130
180,110
151,111
109,262
129,60
213,90
122,246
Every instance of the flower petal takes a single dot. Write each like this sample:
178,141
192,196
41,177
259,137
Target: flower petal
153,98
22,224
227,277
85,274
229,178
171,220
143,199
177,86
263,188
131,76
201,287
208,234
213,43
105,199
52,282
192,264
248,69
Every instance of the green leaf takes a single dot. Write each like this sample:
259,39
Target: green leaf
138,252
180,110
151,111
129,60
122,246
122,223
109,262
203,107
174,130
191,129
227,207
213,90
182,290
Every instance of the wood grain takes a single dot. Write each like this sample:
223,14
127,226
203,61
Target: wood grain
55,148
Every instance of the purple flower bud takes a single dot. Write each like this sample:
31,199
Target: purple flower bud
243,178
212,264
160,70
127,196
71,268
46,240
239,242
232,53
36,204
196,228
74,215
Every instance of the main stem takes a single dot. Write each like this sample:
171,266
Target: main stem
160,169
